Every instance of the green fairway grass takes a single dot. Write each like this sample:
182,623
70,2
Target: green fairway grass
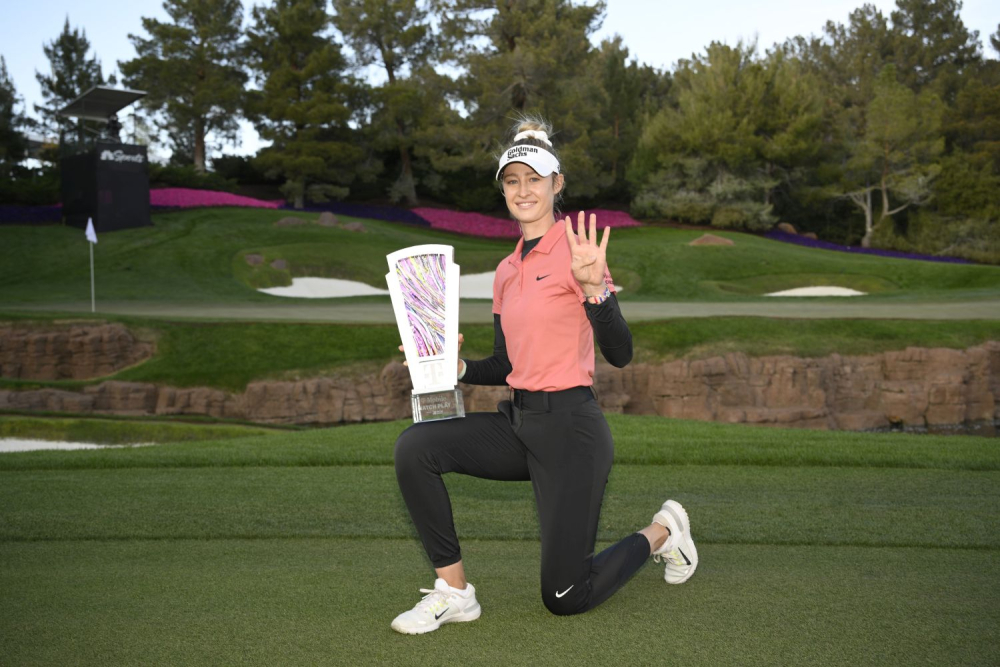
197,256
295,548
229,355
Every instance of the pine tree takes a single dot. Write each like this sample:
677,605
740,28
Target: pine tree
395,35
72,73
738,128
897,156
191,70
530,56
13,144
632,93
303,106
932,45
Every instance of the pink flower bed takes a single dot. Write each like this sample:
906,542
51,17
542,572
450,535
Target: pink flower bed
188,198
477,224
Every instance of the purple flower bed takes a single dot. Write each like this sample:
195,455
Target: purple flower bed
785,237
11,215
189,198
477,224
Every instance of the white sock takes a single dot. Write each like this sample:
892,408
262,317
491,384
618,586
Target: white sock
464,592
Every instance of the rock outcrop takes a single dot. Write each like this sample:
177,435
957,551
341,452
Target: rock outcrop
78,352
916,387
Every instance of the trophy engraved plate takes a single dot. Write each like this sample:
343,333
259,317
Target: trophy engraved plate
423,285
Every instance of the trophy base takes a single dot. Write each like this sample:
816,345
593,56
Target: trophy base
437,405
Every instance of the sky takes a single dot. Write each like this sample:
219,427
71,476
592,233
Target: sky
656,32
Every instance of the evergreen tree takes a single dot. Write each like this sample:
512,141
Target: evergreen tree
738,129
932,45
191,70
303,106
13,144
632,93
530,56
395,35
897,156
72,73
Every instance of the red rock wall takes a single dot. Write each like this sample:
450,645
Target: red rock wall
79,352
914,387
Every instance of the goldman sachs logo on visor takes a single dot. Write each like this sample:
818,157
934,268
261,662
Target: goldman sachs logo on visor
520,151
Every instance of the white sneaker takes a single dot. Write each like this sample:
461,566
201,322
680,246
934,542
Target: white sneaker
678,552
440,605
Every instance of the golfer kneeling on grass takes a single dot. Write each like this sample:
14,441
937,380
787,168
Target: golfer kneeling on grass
550,297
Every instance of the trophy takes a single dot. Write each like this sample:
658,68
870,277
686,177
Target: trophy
423,285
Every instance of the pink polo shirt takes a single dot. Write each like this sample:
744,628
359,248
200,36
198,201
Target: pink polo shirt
550,341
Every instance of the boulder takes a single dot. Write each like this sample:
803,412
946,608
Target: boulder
290,221
354,226
786,227
254,259
279,264
327,219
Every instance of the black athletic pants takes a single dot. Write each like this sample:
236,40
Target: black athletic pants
561,442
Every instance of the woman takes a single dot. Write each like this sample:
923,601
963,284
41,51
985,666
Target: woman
551,296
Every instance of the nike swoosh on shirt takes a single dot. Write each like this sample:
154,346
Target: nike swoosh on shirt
559,595
438,616
543,277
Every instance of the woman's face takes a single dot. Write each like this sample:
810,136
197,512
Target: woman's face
530,197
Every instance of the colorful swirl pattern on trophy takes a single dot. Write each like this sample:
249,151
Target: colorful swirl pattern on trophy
422,282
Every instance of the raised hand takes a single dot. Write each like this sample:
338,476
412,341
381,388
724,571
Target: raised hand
589,259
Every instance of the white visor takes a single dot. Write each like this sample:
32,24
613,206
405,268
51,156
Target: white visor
543,162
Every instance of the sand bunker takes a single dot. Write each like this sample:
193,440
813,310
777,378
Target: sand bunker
473,286
824,290
20,445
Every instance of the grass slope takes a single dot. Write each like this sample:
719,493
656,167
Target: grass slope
295,548
197,256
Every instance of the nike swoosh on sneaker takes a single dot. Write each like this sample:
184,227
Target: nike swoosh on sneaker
559,595
686,559
438,616
543,277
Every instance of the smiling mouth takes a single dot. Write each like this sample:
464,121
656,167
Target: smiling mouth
528,204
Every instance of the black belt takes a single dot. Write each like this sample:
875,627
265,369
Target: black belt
546,401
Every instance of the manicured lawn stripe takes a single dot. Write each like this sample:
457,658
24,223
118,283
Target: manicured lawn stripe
638,440
728,504
330,602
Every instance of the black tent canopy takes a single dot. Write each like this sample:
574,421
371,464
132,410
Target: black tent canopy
100,103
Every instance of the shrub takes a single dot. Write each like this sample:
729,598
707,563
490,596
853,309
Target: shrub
187,177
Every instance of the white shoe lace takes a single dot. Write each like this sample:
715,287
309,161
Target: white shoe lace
671,557
432,601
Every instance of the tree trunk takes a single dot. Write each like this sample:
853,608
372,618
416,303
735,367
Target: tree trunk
407,171
866,241
199,145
